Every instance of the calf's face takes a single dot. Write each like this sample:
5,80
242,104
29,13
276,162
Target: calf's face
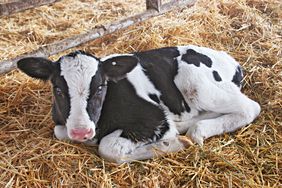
79,83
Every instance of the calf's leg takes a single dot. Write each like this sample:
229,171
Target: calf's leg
183,126
117,149
236,110
61,133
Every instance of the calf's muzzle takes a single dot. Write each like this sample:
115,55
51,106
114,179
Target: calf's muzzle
82,134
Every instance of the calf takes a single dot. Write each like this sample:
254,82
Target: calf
132,103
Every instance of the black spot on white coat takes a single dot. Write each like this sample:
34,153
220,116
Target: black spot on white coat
195,58
216,76
238,76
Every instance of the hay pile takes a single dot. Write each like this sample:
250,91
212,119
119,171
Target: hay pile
250,30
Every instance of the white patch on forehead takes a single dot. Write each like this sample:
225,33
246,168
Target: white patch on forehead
142,84
78,72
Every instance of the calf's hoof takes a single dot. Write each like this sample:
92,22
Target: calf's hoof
195,133
186,141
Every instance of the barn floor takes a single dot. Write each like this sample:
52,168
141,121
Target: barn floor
250,30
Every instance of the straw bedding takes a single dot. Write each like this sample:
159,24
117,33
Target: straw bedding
250,30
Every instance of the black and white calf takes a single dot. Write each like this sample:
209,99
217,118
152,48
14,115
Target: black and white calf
132,103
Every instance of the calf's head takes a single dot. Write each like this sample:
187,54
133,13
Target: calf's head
79,83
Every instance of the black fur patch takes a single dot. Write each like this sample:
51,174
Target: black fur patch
154,98
238,77
123,65
187,107
37,67
195,58
137,118
61,99
216,76
161,67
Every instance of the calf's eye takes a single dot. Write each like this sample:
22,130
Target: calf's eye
59,91
100,89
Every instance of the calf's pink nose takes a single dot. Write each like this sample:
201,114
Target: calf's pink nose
82,134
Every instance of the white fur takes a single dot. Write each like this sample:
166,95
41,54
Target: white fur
61,132
114,148
221,61
183,126
78,72
172,132
202,92
117,149
143,86
114,55
216,107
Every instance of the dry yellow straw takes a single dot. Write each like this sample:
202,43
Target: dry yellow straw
250,30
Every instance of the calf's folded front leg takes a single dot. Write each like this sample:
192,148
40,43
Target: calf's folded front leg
117,149
61,133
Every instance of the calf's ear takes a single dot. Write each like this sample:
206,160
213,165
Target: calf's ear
36,67
116,68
